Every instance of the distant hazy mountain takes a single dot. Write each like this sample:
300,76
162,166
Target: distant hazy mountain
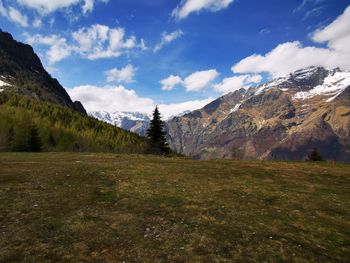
282,119
132,121
136,122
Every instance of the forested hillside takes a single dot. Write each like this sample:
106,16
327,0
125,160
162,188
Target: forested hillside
33,125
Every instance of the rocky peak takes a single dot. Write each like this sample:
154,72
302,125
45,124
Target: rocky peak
308,77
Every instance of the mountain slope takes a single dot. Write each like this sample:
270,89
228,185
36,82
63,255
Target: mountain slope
23,73
59,129
282,119
37,114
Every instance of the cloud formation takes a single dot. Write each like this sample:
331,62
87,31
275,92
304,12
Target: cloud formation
186,7
171,82
290,56
94,42
200,80
125,74
118,98
196,81
167,38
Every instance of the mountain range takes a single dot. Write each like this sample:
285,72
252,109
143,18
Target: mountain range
136,122
283,119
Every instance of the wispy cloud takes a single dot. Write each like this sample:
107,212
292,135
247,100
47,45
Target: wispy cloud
305,4
94,42
167,38
317,11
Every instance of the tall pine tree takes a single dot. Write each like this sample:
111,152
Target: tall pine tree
156,135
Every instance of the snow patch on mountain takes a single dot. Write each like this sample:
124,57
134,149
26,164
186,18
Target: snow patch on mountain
3,84
270,84
136,122
236,108
117,118
333,85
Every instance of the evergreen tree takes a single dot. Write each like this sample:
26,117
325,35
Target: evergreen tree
314,156
34,142
10,136
156,134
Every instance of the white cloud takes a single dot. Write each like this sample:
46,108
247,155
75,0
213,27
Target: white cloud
337,34
58,47
171,82
99,41
237,82
119,98
13,15
187,7
291,56
125,74
88,6
168,38
174,109
48,6
200,80
110,98
94,42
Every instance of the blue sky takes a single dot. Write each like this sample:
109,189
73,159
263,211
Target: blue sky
132,54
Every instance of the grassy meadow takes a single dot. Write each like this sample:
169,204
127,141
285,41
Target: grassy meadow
66,207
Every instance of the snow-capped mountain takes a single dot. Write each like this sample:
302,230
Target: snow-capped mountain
136,122
282,119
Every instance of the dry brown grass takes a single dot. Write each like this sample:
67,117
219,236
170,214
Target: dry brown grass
113,208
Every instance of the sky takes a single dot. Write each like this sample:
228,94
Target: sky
130,55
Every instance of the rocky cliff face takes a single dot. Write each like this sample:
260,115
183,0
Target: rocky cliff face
21,72
283,119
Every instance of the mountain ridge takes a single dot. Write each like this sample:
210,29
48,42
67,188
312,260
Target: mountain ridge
24,73
270,121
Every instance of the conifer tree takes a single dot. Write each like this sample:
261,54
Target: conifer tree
34,142
156,134
314,156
